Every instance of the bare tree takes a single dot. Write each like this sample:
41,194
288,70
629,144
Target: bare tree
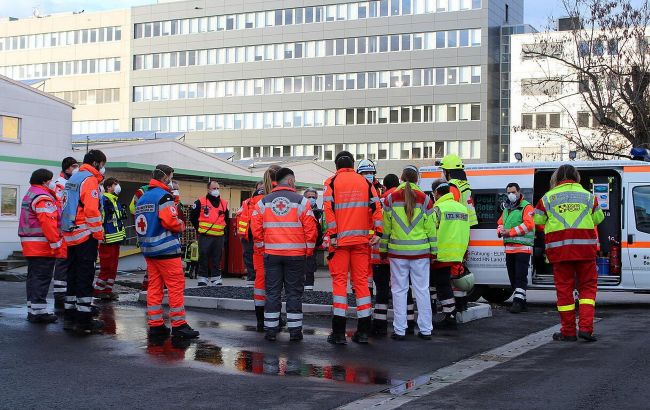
605,56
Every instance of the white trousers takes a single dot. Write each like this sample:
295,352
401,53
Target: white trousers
418,271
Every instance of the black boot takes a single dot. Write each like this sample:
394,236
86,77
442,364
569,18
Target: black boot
410,327
586,336
518,306
161,331
271,335
185,331
68,320
259,315
59,303
42,318
461,303
448,323
559,337
295,335
92,327
337,336
363,329
379,328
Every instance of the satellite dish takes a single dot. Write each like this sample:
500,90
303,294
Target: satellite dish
36,12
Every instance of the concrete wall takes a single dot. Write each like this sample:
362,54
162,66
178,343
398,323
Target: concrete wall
45,139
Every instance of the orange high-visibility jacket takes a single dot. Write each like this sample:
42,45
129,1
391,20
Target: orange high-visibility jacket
39,227
214,223
244,216
89,217
348,197
284,224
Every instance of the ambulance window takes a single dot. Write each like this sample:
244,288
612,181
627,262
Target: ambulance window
641,197
488,207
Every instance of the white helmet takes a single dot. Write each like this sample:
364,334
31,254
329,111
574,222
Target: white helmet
366,165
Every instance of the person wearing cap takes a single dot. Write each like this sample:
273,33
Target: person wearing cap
352,209
69,167
284,225
453,170
452,226
310,267
409,242
158,228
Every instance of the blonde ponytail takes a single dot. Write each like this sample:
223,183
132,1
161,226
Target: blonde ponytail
269,178
409,175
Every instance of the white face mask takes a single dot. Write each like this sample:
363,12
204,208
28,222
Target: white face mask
370,178
102,170
512,197
215,193
176,192
118,189
74,171
52,185
170,184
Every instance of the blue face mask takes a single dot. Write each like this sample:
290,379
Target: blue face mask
313,203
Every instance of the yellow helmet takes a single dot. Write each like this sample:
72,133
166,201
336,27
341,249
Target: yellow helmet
452,161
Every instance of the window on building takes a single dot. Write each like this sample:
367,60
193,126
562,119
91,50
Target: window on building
583,119
9,128
540,121
8,201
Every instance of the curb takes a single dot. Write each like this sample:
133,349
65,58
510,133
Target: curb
475,311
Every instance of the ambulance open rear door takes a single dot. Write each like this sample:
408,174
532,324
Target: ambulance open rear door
637,227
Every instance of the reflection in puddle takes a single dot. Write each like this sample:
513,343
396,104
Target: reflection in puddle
174,350
249,328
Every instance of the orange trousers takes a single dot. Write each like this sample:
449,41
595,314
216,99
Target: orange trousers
167,272
354,259
259,290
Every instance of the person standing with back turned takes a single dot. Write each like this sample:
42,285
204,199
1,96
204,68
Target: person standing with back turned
352,209
569,214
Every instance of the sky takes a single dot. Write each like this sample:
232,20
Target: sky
537,12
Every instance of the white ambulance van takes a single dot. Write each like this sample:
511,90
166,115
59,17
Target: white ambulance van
623,191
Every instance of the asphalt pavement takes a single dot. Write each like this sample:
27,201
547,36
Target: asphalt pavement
231,366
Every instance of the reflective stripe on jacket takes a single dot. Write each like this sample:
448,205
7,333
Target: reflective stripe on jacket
375,257
88,220
569,214
283,224
351,207
452,225
40,223
212,220
157,223
244,216
404,239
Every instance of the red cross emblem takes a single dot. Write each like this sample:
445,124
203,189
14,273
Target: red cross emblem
141,225
280,206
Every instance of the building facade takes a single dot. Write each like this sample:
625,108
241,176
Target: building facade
396,81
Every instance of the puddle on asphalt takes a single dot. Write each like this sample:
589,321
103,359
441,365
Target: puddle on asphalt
123,325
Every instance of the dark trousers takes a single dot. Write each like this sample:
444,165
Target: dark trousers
81,274
39,276
248,259
210,253
441,290
310,270
381,277
287,272
60,282
517,264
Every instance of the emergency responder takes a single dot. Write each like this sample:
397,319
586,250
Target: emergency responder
69,166
367,169
409,242
517,229
569,215
158,229
453,170
311,265
452,226
42,242
259,291
210,217
284,225
244,232
347,200
113,215
81,223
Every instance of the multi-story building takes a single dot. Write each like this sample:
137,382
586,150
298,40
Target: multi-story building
397,81
80,57
550,115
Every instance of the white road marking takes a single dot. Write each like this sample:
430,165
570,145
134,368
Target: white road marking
426,384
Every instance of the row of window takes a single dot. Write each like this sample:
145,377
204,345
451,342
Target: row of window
375,151
90,97
312,83
310,49
95,126
543,48
61,68
61,38
540,121
302,15
312,118
541,86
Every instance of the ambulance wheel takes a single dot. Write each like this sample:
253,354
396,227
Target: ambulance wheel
497,295
476,293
